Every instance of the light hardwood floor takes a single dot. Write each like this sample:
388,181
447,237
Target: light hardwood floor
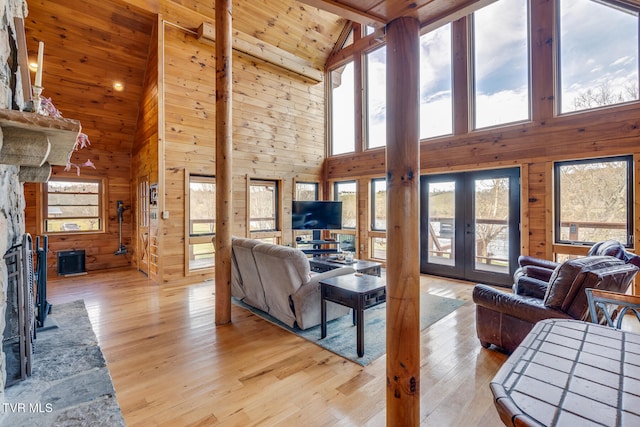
172,366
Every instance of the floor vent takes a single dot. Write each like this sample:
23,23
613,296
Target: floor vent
71,263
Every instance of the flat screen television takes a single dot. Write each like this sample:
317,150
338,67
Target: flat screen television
316,215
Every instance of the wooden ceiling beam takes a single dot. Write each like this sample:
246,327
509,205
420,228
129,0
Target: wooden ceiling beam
259,49
454,14
347,12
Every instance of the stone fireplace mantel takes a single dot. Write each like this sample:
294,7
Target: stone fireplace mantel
36,142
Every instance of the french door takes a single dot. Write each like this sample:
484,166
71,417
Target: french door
470,225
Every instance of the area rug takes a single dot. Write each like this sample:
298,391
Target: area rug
70,384
341,334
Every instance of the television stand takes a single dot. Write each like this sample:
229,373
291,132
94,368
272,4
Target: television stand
317,247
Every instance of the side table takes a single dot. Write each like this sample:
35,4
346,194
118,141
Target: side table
356,291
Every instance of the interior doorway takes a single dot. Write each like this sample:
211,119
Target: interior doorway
143,225
470,225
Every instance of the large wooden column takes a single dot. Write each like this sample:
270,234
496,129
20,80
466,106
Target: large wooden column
403,246
224,148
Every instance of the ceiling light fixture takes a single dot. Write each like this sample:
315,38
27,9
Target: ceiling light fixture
118,86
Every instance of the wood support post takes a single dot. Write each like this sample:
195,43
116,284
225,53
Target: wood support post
224,165
403,246
461,122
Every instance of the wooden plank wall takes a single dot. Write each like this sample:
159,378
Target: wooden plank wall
114,169
278,133
145,152
79,81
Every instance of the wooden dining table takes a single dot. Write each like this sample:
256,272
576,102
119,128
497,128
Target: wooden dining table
571,373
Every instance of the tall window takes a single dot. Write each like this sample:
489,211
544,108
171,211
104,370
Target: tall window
436,107
342,110
379,218
263,205
377,98
346,193
306,191
379,204
594,200
501,63
598,54
202,221
73,206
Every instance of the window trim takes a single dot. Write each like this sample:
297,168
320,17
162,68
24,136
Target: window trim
372,237
557,201
102,196
193,239
373,204
558,60
277,230
188,207
330,125
366,95
335,197
451,82
473,105
315,184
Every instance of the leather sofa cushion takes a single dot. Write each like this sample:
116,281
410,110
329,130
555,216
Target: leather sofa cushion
567,280
531,287
608,248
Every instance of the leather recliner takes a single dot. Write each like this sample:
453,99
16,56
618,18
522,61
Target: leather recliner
533,274
504,319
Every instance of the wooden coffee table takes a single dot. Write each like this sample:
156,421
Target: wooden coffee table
321,264
356,291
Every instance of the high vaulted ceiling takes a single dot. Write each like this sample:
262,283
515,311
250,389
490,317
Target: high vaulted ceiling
90,44
377,13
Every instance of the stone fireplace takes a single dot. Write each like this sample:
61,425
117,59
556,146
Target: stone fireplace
12,202
30,144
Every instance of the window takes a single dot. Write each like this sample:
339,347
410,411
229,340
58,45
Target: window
346,193
377,98
202,221
379,247
598,54
263,205
501,63
306,191
73,206
342,110
594,200
349,39
436,106
378,218
379,204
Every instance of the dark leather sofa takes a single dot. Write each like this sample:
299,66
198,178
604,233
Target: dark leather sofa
533,274
504,318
